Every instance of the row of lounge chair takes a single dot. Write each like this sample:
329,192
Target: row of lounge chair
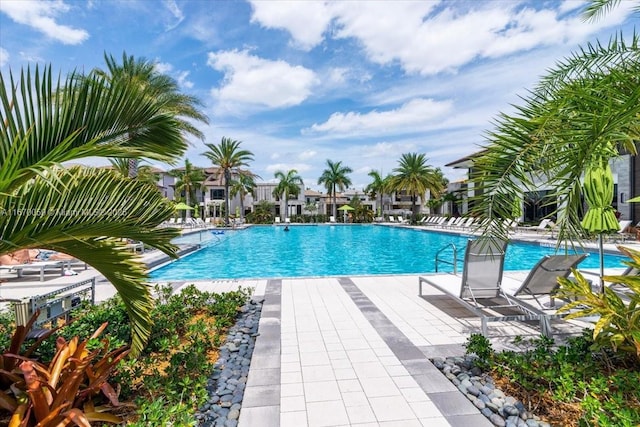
484,290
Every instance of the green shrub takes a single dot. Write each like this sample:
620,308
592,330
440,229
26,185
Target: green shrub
618,321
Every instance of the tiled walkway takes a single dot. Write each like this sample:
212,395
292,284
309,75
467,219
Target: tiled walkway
354,352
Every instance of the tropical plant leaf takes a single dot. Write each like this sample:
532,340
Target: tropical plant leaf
89,220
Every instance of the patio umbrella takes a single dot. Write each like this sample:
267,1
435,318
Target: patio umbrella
516,210
182,207
344,210
600,217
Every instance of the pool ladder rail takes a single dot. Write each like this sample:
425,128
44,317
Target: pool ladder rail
440,260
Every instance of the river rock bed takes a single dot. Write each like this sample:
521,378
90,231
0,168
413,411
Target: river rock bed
479,388
227,383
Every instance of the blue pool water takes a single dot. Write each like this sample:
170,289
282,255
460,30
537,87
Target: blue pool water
306,251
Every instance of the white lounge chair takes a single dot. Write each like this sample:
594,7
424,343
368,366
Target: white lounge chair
481,289
332,219
277,220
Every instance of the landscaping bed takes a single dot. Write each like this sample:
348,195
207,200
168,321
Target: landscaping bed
545,384
165,385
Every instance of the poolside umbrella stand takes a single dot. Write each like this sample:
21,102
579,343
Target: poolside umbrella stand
344,210
600,217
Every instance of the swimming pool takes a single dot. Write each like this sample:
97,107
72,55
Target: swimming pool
310,251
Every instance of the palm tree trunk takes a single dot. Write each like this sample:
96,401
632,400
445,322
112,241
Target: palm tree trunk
241,207
334,209
227,175
186,196
286,206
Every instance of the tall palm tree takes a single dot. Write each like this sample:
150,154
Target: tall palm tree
80,211
334,177
159,87
377,187
244,185
229,158
288,185
415,176
189,179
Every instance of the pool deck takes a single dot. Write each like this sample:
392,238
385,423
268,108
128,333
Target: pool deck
348,351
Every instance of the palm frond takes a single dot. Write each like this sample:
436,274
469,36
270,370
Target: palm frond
114,120
89,219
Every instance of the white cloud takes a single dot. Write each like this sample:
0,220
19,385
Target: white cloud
306,21
180,76
432,37
175,12
4,57
285,167
385,149
307,154
409,117
251,80
183,80
40,15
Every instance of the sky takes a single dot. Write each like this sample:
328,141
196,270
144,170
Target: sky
300,82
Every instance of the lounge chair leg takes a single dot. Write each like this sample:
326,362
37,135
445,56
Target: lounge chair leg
545,326
485,331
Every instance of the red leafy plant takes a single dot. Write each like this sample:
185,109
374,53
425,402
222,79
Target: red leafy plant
62,392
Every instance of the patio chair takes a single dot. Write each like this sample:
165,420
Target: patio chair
481,287
276,220
392,218
332,219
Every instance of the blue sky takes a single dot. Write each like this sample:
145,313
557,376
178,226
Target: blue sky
300,82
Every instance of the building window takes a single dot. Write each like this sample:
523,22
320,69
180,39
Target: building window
216,194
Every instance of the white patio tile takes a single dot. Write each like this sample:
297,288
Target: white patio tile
324,414
293,419
317,373
381,386
370,370
402,423
414,394
290,357
354,398
406,381
360,414
341,363
290,367
389,361
345,374
346,386
315,358
292,403
435,422
290,377
291,389
337,354
425,409
364,355
321,391
393,408
355,344
397,371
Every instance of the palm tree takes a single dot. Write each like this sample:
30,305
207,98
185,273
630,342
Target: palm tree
288,185
229,158
335,178
188,181
377,187
80,211
244,185
585,111
158,87
145,172
415,176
